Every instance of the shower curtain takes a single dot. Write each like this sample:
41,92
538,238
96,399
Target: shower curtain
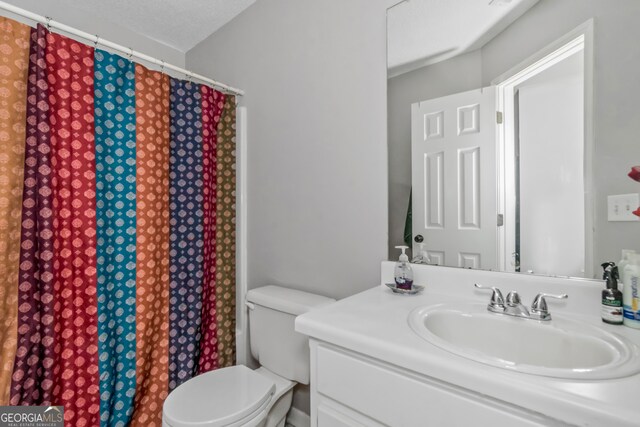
117,230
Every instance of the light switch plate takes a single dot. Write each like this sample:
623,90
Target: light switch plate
620,207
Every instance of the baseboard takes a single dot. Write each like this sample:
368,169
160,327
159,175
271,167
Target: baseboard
297,418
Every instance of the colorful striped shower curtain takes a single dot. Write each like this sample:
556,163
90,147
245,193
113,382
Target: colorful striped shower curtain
117,230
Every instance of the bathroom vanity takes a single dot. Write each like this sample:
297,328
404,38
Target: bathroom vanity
372,365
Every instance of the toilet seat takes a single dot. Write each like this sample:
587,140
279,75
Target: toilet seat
228,396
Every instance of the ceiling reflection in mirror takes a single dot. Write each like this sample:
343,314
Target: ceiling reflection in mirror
513,126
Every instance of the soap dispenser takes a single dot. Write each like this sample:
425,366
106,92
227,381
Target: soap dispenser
611,310
402,273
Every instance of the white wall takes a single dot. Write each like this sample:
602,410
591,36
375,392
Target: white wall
454,75
315,80
314,73
96,25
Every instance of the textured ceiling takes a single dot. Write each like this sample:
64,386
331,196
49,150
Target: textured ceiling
177,23
422,32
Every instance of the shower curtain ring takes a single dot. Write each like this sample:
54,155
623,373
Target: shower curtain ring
95,43
130,53
162,66
48,24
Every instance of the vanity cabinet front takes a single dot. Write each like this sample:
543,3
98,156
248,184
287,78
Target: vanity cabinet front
349,389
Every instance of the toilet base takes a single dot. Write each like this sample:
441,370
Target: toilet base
281,400
278,413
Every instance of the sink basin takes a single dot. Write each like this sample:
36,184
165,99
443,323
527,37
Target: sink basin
561,348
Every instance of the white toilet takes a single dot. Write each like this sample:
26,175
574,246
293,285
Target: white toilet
239,396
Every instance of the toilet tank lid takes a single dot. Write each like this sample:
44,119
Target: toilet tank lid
287,300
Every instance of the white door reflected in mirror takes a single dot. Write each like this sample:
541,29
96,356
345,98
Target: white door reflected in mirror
454,178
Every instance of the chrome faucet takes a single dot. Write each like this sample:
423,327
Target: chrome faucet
514,307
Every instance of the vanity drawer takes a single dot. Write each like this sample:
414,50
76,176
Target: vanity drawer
399,399
332,414
329,418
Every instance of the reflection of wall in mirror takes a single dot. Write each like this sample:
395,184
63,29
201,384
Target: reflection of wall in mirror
616,124
551,147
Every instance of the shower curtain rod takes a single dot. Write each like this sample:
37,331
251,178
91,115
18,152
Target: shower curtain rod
130,53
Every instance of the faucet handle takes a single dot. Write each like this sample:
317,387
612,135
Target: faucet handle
513,298
539,306
497,300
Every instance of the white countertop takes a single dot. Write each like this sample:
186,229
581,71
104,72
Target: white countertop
374,323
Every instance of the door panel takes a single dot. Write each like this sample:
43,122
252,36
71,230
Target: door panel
434,190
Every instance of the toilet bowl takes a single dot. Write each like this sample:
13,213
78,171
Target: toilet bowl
238,396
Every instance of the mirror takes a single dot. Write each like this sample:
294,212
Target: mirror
513,126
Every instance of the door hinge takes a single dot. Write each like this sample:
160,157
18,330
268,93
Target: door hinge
500,220
499,117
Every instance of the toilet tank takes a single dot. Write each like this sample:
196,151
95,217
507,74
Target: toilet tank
273,339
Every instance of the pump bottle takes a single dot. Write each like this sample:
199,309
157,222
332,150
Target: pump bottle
402,273
611,311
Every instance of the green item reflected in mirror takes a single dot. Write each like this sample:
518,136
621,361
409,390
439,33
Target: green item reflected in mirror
408,232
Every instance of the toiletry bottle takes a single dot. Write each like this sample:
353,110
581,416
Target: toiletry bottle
402,273
611,310
630,296
622,265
